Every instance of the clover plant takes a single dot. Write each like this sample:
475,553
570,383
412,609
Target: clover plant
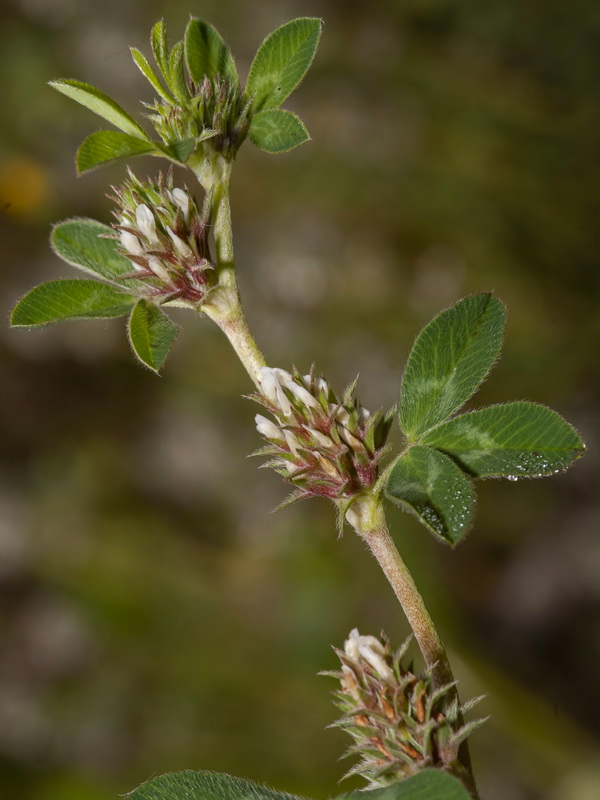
170,247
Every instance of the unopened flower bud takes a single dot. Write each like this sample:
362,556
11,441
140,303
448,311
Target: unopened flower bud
181,200
181,247
351,440
319,437
327,465
303,395
341,414
349,682
146,223
270,385
131,243
267,428
369,648
320,384
157,268
292,442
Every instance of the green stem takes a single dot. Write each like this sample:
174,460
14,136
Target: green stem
233,322
224,306
222,229
242,341
368,519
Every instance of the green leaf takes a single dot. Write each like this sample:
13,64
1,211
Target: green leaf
147,71
189,785
56,301
514,439
206,53
176,74
100,104
160,49
277,131
449,360
104,146
151,334
431,784
429,484
282,61
81,243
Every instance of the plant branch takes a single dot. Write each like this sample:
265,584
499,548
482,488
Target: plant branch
368,519
223,305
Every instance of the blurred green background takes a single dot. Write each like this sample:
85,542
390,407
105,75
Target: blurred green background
154,615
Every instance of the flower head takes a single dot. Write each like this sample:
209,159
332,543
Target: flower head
400,722
215,114
164,235
322,445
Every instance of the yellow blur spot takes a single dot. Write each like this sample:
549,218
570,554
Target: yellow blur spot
23,186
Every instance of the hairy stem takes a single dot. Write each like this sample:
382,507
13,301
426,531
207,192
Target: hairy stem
367,517
223,305
222,230
242,341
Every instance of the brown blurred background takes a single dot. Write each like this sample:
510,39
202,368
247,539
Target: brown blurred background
154,615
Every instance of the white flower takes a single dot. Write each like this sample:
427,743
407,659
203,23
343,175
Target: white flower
272,388
181,200
323,440
302,394
267,428
157,268
364,414
351,440
131,243
145,222
369,648
292,442
274,380
320,384
342,414
180,245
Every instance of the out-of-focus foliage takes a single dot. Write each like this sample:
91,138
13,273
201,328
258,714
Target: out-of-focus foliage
154,615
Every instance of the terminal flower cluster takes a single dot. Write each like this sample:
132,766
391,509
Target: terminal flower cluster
323,445
165,236
213,111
